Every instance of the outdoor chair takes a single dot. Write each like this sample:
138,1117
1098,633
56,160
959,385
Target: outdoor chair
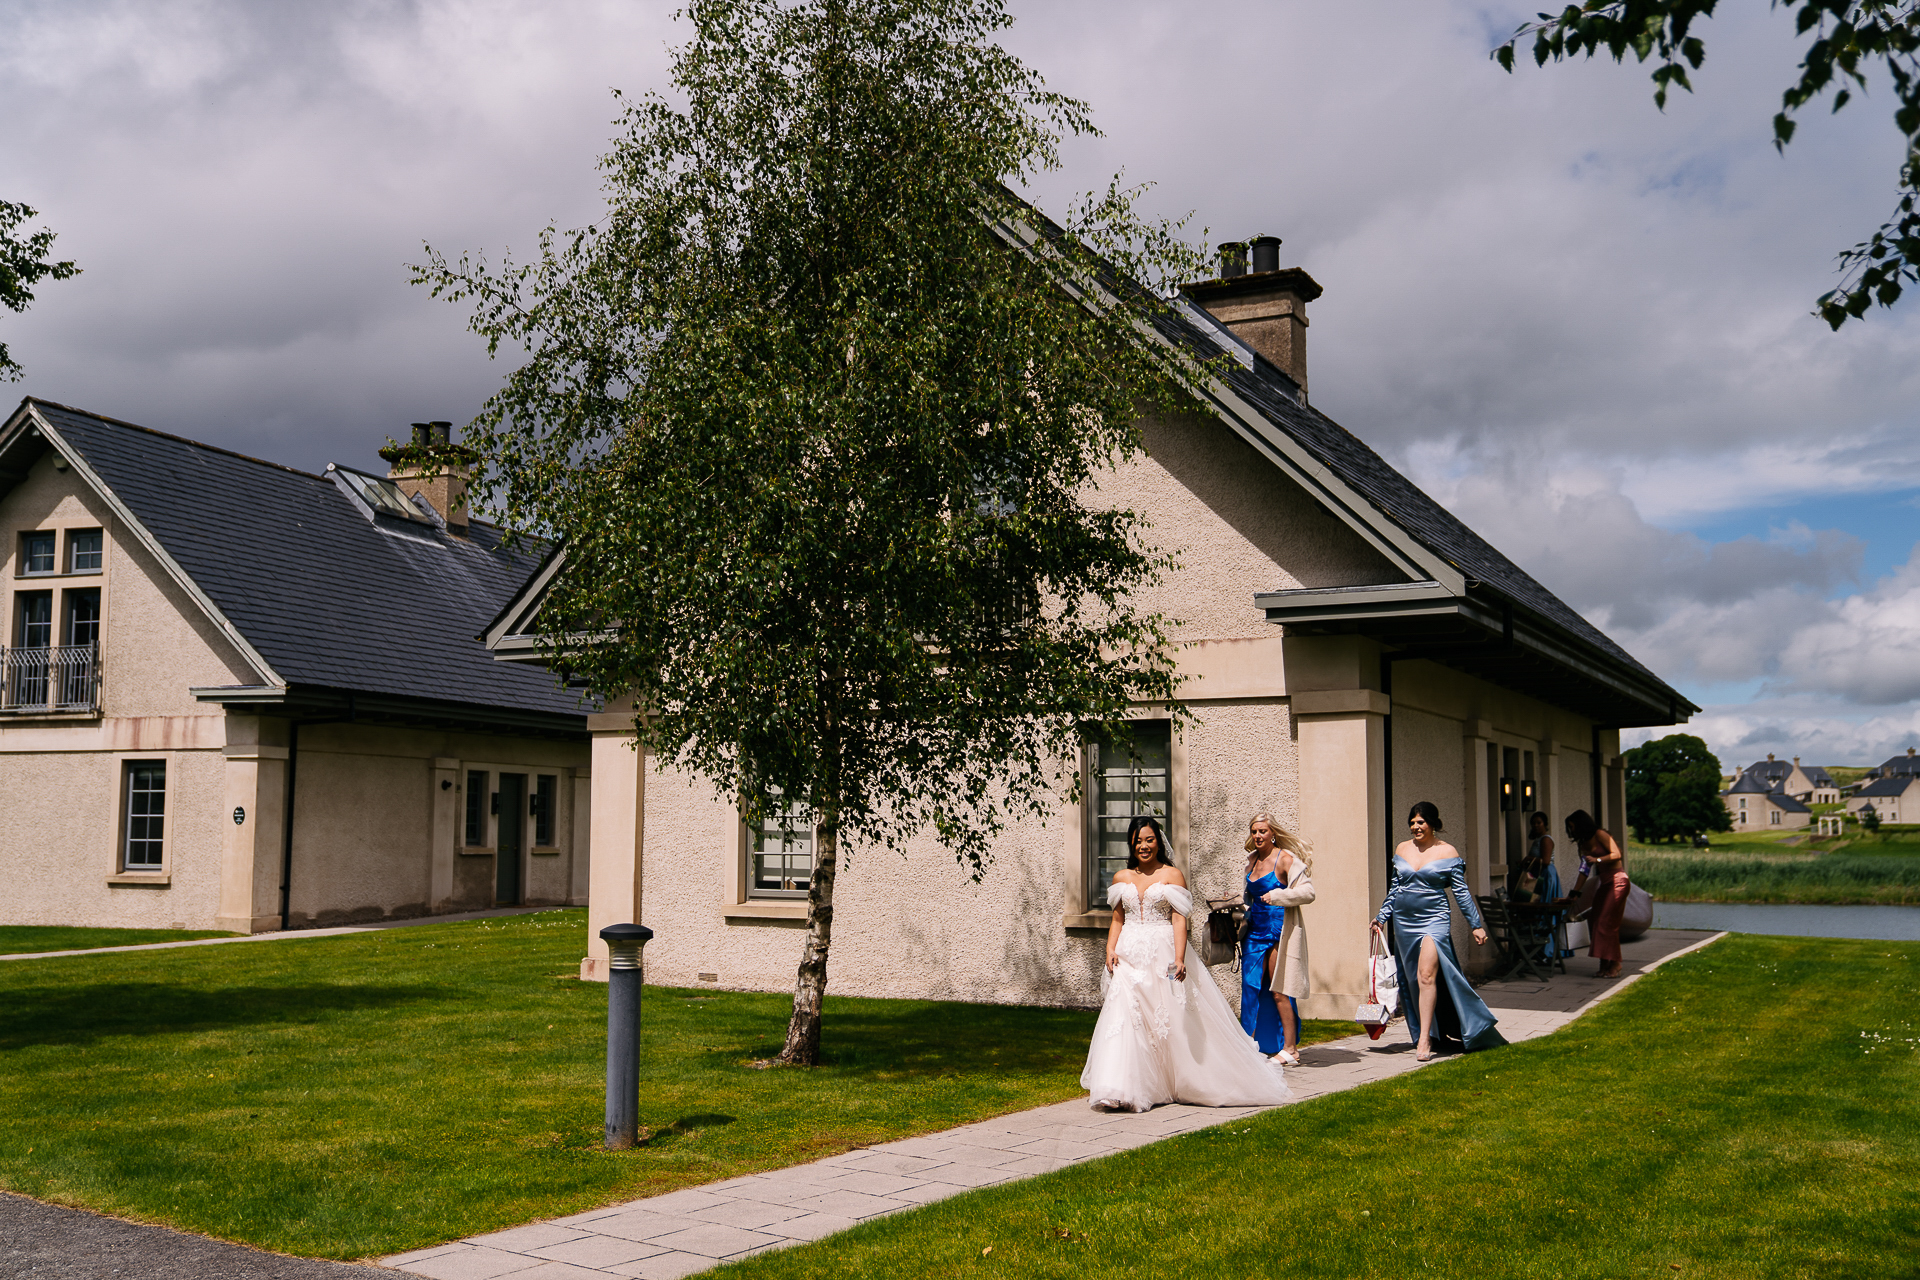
1517,932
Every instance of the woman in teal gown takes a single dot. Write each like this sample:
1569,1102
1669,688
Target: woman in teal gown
1426,870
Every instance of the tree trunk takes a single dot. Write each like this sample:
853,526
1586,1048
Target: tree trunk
810,989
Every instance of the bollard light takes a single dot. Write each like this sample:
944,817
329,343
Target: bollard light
624,943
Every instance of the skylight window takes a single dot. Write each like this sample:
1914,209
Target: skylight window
381,496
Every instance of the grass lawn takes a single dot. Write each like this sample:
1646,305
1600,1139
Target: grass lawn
357,1096
1752,1110
18,939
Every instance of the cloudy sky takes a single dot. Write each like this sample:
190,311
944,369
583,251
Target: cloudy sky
1581,323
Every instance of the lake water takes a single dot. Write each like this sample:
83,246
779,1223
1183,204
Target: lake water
1894,924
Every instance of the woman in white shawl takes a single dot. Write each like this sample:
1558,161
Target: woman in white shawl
1162,1036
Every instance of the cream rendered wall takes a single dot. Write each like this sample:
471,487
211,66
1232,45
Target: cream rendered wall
914,925
371,822
61,775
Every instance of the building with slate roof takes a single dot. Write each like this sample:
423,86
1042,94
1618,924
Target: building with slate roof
1757,805
1349,647
1890,795
236,695
1809,784
1897,766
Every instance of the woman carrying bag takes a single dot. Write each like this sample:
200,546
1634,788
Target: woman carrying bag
1287,971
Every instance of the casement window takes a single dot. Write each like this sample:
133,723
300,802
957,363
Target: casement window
780,852
1774,817
37,553
476,808
81,624
1125,780
146,810
545,787
83,551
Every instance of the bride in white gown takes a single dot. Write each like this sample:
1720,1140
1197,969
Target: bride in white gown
1163,1038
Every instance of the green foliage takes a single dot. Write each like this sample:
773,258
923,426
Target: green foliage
819,445
23,264
1836,879
1673,789
1870,819
1849,37
1751,1110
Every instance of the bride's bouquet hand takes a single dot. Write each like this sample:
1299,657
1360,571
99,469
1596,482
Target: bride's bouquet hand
1180,972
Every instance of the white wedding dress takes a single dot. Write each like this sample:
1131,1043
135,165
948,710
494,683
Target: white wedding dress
1159,1040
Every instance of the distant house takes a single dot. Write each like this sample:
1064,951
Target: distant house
1755,806
1897,766
1809,784
1890,796
235,695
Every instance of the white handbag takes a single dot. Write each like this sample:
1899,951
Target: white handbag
1577,936
1383,987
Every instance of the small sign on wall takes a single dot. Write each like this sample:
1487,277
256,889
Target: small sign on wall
239,815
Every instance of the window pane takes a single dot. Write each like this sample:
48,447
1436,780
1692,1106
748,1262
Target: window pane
84,553
36,553
83,616
544,789
1129,780
781,854
476,807
146,814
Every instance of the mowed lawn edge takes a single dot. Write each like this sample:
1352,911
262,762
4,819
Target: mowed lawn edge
1749,1110
360,1096
25,939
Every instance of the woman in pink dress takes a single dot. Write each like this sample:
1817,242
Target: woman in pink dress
1601,857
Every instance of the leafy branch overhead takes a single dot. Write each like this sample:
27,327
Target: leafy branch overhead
1849,38
23,263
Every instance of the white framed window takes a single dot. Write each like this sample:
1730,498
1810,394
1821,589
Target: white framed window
1125,780
1774,817
143,847
780,852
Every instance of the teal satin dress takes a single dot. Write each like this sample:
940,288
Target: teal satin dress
1417,908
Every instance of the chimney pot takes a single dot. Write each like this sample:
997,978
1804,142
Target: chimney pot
1233,259
1266,253
442,432
1769,757
421,433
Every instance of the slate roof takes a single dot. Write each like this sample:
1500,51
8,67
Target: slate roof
1786,803
1894,786
1899,764
321,592
1748,785
1780,770
1277,398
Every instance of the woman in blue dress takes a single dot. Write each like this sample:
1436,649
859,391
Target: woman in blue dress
1426,869
1268,1015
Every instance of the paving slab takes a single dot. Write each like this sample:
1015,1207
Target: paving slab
695,1229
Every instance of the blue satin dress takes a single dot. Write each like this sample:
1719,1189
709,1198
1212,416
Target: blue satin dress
1259,1015
1417,907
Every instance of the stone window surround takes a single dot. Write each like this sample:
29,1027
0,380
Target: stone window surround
118,875
491,820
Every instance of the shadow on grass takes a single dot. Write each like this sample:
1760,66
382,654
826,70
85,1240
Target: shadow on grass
83,1015
936,1037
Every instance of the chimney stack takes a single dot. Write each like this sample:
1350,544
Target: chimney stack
432,465
1265,307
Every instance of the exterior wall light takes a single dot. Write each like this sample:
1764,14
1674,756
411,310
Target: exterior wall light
1529,795
1509,795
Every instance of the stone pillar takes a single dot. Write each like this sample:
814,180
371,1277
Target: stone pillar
445,798
615,847
1339,728
1480,826
251,849
1613,787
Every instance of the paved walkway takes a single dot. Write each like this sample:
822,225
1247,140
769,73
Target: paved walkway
287,935
665,1237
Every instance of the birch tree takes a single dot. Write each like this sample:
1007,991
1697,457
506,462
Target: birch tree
823,449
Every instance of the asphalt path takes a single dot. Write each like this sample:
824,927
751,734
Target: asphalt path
44,1242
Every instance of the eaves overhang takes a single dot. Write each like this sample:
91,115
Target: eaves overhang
1483,635
314,702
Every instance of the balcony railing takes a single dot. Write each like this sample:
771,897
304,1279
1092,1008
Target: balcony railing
62,678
